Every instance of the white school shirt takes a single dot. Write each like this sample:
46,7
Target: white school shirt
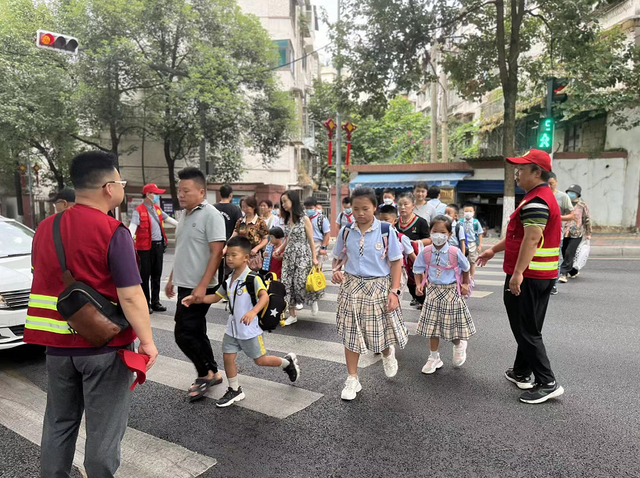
440,257
241,304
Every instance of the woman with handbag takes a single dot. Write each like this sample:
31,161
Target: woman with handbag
253,228
298,253
576,229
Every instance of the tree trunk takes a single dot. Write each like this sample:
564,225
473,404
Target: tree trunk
172,177
115,140
444,119
434,106
508,150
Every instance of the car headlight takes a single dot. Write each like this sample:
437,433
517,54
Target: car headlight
3,303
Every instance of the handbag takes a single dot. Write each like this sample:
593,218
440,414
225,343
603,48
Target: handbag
255,262
164,243
316,280
89,314
582,254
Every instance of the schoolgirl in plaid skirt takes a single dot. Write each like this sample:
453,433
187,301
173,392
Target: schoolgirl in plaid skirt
369,317
445,314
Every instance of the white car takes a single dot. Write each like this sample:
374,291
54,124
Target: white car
15,280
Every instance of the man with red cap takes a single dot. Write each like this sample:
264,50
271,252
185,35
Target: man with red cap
147,229
531,252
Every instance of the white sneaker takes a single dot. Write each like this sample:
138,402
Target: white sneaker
460,354
432,364
351,388
292,319
299,306
314,308
390,363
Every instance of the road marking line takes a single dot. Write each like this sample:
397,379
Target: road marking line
22,407
318,349
283,400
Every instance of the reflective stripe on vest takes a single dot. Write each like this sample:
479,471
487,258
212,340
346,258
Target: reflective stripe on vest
543,266
43,301
47,325
541,252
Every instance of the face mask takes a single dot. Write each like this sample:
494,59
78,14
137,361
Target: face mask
388,201
348,210
468,215
310,212
573,196
439,239
156,199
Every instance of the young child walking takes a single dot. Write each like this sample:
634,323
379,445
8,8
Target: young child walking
272,263
445,314
369,316
243,331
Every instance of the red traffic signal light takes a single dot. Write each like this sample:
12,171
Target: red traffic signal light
559,93
56,41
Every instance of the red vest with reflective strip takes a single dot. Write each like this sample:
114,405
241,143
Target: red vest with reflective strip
544,264
86,234
143,233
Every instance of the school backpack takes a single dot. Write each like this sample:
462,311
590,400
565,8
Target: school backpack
452,263
320,224
342,258
457,233
275,309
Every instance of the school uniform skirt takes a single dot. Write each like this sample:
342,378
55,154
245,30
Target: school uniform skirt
445,314
363,321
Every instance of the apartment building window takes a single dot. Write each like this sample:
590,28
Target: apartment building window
572,137
285,52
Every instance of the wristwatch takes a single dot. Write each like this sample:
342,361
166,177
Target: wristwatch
397,292
323,248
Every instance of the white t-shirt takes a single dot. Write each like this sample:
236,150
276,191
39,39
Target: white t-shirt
241,304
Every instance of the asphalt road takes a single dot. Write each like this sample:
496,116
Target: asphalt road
457,422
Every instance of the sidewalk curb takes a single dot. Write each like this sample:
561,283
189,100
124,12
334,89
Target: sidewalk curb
615,251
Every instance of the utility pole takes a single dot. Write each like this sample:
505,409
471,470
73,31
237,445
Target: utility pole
338,142
31,208
444,117
203,143
434,105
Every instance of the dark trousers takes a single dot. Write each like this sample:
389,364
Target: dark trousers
526,316
151,268
99,386
412,291
569,249
191,333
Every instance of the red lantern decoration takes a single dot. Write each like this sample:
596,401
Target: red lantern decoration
331,127
348,128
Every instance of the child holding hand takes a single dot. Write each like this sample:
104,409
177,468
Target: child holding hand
445,314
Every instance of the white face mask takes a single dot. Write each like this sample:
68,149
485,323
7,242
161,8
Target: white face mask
439,239
388,201
468,215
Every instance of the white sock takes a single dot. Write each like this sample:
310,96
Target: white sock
285,363
233,383
435,355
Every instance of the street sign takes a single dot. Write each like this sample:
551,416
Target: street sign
545,136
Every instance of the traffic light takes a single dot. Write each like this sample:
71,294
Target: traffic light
545,135
559,95
56,41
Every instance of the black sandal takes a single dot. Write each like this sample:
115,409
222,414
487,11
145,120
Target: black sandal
201,386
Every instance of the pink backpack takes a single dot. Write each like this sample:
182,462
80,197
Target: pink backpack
451,264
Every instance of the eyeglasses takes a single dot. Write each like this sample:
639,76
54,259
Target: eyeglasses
123,183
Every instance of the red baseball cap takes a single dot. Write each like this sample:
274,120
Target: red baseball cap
534,156
137,363
152,188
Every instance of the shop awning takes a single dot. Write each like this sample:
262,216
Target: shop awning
487,186
406,180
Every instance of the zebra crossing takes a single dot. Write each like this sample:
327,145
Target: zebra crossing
22,403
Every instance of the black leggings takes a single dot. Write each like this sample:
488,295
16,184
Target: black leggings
569,248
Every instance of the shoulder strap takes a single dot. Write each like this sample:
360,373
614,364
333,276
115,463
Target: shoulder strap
427,253
453,259
67,277
251,286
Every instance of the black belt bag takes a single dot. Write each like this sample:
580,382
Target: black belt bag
89,314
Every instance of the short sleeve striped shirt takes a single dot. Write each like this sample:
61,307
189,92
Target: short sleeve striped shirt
535,213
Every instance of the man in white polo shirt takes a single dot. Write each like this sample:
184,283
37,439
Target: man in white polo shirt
200,239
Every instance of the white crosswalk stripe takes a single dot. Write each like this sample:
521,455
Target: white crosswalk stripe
317,349
283,401
22,407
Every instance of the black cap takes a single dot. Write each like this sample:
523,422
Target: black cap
65,194
576,189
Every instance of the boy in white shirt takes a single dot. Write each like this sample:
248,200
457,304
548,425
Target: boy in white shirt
243,331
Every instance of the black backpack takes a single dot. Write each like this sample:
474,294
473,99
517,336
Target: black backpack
275,310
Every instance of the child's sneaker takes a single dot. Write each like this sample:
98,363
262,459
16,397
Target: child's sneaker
460,354
433,364
292,319
299,306
232,396
390,363
293,369
351,388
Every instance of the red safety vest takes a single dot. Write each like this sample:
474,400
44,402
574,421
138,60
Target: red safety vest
86,234
544,264
143,233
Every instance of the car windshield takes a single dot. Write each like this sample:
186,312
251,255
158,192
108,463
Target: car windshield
15,239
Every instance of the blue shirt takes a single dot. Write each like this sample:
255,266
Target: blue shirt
473,229
156,232
372,262
240,300
318,234
441,258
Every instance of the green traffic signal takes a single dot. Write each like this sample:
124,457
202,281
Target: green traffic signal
545,137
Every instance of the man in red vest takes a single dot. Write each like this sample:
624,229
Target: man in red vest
147,229
531,252
81,378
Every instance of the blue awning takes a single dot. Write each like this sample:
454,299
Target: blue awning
406,180
486,186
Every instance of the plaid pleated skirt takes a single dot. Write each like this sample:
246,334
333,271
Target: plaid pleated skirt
363,321
445,314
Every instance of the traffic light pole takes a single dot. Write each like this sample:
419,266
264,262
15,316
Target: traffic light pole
549,111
